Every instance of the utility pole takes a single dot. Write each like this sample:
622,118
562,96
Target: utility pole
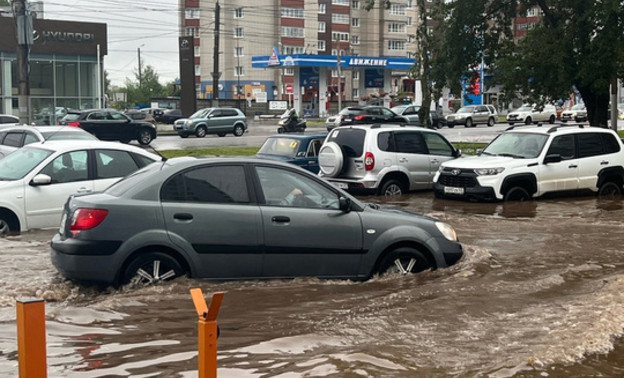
339,72
215,73
140,76
24,32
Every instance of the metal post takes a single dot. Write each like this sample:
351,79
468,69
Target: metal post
24,40
339,77
208,332
215,72
31,338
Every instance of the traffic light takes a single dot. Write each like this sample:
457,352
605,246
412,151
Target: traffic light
476,86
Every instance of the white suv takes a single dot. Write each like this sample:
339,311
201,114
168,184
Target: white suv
528,114
529,161
383,159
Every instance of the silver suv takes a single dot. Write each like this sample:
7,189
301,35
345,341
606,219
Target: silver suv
471,115
384,159
220,121
529,161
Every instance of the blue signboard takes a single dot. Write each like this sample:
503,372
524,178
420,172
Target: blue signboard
374,78
308,77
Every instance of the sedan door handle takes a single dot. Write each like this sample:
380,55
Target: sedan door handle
573,166
83,190
604,162
280,219
183,216
402,160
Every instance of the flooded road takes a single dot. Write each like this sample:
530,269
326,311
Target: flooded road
539,293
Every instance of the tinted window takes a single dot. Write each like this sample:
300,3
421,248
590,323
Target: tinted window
216,184
385,141
230,112
611,144
117,116
13,139
563,145
411,143
112,163
589,145
437,145
350,140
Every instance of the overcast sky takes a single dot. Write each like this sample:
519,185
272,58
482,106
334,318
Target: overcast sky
151,25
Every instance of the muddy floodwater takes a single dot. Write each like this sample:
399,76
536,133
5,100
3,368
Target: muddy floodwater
539,293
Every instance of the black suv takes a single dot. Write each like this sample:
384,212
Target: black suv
354,115
109,124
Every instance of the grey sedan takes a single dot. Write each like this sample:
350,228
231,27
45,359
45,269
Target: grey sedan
239,219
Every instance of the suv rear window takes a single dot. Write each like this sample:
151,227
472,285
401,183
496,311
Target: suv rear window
351,141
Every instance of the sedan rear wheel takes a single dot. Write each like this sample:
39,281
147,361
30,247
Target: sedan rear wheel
404,261
238,130
145,137
151,268
609,190
392,188
8,223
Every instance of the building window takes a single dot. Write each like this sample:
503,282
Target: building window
355,39
289,72
409,21
396,45
238,51
239,33
355,4
191,13
397,9
340,2
410,4
292,13
321,27
355,22
197,70
340,18
356,93
533,12
290,50
191,31
321,45
396,28
356,75
322,8
290,31
340,36
240,71
239,13
197,51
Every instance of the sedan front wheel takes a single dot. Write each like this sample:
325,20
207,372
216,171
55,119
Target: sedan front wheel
404,261
151,268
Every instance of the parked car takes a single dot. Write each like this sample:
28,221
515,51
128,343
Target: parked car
383,159
12,138
411,113
220,121
109,124
71,116
297,149
7,119
355,115
528,114
472,115
528,162
239,219
170,116
36,179
577,113
156,113
138,115
50,116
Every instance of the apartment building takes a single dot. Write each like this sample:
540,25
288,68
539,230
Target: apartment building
316,27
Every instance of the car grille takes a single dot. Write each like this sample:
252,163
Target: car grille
513,116
464,179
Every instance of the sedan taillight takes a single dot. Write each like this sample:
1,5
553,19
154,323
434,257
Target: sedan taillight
359,117
369,161
86,219
73,124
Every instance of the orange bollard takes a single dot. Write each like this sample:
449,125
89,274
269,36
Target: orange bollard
207,332
31,338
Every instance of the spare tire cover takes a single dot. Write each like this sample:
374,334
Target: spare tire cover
330,159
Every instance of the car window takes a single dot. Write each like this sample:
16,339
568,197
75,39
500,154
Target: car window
68,167
18,163
410,143
611,144
13,139
143,160
385,141
113,163
30,138
351,141
590,144
117,116
97,116
563,145
230,112
282,146
279,185
387,112
437,145
213,184
314,147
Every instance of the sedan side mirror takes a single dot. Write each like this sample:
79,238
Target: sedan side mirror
552,158
41,179
344,204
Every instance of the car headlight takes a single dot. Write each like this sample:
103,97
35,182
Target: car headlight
189,122
447,231
488,171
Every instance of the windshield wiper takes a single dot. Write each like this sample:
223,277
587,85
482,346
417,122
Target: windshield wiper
511,155
486,153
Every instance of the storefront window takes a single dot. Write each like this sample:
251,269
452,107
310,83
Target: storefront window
87,85
66,79
41,78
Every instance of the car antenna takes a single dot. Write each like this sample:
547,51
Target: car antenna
54,133
163,158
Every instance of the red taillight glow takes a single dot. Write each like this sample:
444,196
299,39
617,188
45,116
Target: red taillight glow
74,124
369,161
359,117
86,219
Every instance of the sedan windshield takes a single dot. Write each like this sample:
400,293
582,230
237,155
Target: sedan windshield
525,108
280,146
17,164
466,109
517,145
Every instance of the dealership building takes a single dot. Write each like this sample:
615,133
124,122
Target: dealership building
65,64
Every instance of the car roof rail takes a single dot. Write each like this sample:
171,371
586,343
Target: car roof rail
515,127
376,126
555,128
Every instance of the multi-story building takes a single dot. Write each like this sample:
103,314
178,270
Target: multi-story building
316,27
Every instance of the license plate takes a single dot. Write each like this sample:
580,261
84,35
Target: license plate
341,185
453,190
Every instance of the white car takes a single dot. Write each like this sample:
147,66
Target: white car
529,114
14,137
37,179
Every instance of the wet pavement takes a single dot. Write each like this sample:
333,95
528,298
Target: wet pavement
539,293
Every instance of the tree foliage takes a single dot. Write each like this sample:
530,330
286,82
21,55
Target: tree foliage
144,87
578,45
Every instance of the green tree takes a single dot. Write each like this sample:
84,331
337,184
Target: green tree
578,44
144,87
